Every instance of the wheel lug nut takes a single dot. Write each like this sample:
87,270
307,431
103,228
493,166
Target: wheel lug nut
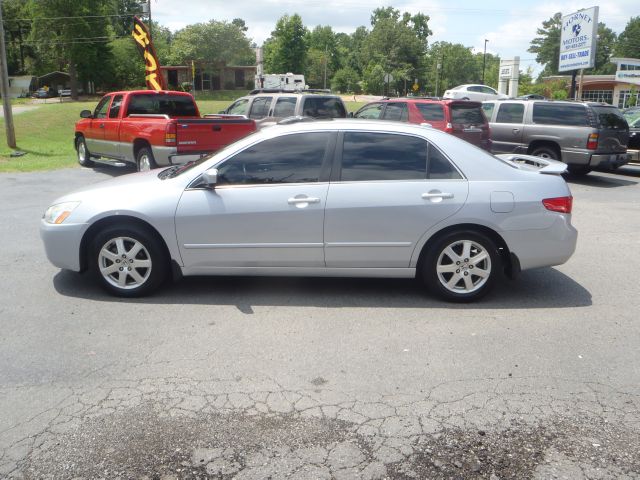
466,273
129,268
470,266
457,271
121,269
457,263
118,260
466,259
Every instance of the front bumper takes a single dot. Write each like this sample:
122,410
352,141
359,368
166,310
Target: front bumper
62,243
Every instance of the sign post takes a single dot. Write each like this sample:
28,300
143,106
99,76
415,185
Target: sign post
578,42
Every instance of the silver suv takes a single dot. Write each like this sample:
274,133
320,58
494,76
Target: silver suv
267,108
584,135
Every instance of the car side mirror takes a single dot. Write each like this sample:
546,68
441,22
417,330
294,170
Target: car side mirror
86,114
210,177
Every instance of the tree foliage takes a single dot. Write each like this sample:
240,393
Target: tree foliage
546,45
286,49
628,44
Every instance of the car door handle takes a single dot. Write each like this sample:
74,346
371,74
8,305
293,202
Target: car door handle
297,200
437,195
516,130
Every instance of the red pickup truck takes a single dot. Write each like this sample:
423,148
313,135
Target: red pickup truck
153,129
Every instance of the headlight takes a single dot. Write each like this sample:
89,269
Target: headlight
59,212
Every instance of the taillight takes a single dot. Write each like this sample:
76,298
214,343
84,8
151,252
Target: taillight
449,128
592,141
559,204
170,134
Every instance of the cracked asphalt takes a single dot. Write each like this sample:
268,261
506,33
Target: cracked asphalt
251,378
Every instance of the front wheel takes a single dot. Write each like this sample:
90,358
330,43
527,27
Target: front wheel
145,160
84,157
461,266
128,261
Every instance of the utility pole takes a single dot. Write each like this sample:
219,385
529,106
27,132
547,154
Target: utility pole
149,8
326,49
4,88
484,59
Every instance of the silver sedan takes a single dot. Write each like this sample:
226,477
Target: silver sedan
322,198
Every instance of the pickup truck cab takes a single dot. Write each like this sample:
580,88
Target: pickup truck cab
152,129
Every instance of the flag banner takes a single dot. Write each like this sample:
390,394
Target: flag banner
153,76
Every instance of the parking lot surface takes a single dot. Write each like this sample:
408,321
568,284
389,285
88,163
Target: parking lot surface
256,378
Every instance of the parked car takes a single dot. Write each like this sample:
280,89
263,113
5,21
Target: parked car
321,198
268,107
584,135
150,129
473,92
632,116
44,93
463,119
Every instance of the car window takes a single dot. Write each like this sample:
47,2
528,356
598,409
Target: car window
285,107
559,114
431,112
439,167
510,113
260,107
488,109
396,111
172,105
383,156
239,107
323,107
467,114
114,110
489,90
293,158
102,107
610,117
370,111
475,89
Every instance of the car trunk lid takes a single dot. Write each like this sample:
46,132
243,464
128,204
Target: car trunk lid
468,122
613,130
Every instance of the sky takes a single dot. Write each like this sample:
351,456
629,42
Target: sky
509,28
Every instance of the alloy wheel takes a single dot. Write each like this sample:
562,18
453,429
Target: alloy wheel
124,262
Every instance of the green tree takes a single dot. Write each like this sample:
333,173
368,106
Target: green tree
78,43
546,45
346,80
458,65
604,51
214,42
628,45
322,56
286,50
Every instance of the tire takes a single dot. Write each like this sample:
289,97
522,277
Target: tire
578,170
449,276
128,261
84,157
465,98
145,160
546,152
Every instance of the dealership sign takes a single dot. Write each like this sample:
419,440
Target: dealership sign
578,36
628,70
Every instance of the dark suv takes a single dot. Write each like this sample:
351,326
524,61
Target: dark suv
461,118
584,135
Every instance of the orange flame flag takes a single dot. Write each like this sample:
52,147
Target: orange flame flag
153,76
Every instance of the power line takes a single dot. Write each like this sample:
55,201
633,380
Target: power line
37,19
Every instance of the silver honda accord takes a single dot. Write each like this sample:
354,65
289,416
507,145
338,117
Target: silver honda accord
325,198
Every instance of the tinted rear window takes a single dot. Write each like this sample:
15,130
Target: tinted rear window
559,114
172,105
322,107
431,112
610,117
467,114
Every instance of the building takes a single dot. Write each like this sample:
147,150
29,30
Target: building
620,89
206,76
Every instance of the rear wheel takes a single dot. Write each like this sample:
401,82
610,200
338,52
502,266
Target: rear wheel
546,152
461,266
128,261
84,157
145,160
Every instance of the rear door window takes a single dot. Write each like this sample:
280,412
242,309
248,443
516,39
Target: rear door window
323,107
431,112
285,107
370,111
560,114
467,114
510,113
396,111
260,107
114,110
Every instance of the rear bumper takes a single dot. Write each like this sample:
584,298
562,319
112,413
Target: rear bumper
600,160
544,247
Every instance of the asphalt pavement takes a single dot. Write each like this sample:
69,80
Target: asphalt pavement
256,378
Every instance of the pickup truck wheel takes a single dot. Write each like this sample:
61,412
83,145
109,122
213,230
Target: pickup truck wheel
84,157
145,160
128,260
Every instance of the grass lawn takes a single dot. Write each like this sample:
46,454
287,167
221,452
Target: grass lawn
46,134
